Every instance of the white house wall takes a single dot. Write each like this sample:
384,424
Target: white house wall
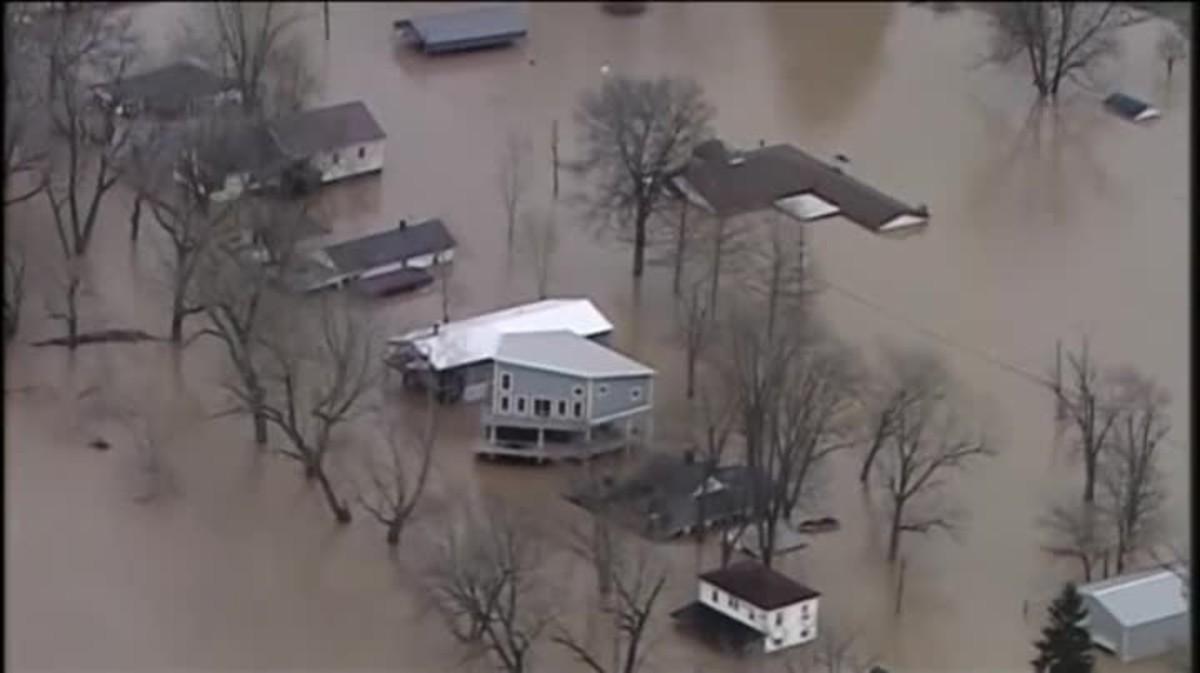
420,262
797,623
346,162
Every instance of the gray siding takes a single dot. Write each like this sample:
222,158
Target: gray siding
532,384
619,395
1155,638
1102,626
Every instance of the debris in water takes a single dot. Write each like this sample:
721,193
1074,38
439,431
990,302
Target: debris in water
100,444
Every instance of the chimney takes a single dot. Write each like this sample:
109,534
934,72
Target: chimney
403,224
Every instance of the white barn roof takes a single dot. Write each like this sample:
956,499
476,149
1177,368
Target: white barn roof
477,339
566,352
1140,598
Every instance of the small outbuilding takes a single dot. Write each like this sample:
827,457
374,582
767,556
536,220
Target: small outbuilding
1138,615
336,142
467,29
780,611
177,90
1131,109
391,254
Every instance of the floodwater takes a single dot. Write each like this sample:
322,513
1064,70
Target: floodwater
1043,228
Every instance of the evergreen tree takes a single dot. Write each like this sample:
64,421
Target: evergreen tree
1065,646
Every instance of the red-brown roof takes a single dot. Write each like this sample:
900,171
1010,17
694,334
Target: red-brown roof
757,584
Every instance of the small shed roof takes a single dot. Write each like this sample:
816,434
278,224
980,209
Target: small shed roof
1141,597
477,339
1130,108
303,134
170,88
566,352
469,24
391,246
736,183
759,585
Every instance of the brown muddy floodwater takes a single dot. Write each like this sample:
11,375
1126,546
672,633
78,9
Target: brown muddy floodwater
1042,229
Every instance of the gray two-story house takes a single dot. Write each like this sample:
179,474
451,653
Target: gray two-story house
555,394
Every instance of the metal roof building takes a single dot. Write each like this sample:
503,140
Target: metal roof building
1138,615
566,352
467,29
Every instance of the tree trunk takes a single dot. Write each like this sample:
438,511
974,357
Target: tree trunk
1089,486
691,372
393,532
894,537
716,269
135,219
340,511
260,428
680,244
639,241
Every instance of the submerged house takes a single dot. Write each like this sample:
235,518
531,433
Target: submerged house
1138,615
785,179
393,256
557,394
457,356
670,495
464,29
177,90
749,607
336,142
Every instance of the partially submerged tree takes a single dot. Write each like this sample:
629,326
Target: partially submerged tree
696,323
65,307
1171,47
1059,40
83,46
780,277
1086,400
540,244
636,134
513,178
24,125
1079,531
314,387
1065,646
14,292
1133,490
926,445
396,484
910,377
485,580
638,581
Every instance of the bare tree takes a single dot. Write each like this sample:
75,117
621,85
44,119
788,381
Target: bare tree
312,389
1171,47
541,242
780,277
255,44
696,323
715,423
24,127
396,487
241,303
1085,401
926,444
635,135
1079,531
84,44
1133,488
66,309
513,178
14,292
910,378
484,579
638,582
1060,40
793,390
833,653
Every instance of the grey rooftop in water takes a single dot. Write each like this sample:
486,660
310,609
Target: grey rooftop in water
567,352
466,29
391,246
302,134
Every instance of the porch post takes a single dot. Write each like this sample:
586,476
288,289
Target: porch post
541,438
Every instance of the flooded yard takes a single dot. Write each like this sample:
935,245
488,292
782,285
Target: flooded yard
1043,227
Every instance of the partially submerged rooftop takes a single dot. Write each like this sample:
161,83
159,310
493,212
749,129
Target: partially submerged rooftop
1129,108
476,339
391,246
566,352
759,585
168,89
302,134
785,178
466,29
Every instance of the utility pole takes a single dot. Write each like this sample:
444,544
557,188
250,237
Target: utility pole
554,154
326,5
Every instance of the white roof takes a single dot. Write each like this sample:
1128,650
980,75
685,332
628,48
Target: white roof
568,353
1140,598
477,339
806,207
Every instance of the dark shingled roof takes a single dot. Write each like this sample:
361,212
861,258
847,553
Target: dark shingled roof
1126,106
388,247
303,134
762,176
757,584
170,88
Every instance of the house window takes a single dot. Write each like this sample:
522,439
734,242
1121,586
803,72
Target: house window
541,407
602,390
734,603
504,403
714,595
804,634
362,152
562,408
520,404
804,611
577,391
778,619
506,381
635,394
336,157
578,410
